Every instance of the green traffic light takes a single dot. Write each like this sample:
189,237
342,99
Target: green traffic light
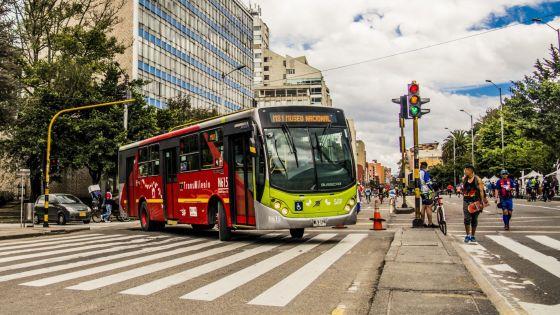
414,110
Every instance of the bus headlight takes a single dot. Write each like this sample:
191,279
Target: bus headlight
284,211
277,205
347,208
351,202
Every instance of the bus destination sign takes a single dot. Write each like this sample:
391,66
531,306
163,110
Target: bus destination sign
278,117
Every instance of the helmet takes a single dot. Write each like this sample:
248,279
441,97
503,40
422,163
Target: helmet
504,172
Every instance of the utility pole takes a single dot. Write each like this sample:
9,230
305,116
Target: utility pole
403,161
454,153
417,222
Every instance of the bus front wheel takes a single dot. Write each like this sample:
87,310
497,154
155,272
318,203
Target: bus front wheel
297,233
224,231
145,222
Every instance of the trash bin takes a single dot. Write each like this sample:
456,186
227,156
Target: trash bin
28,209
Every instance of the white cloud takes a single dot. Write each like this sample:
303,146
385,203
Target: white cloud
365,91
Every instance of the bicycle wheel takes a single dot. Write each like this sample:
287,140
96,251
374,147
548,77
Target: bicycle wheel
441,221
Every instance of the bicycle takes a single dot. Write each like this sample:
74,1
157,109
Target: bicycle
437,207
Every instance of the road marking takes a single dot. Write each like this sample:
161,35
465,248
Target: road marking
137,272
216,289
120,264
548,263
286,290
164,283
74,243
541,309
48,239
544,207
81,263
81,255
66,250
545,240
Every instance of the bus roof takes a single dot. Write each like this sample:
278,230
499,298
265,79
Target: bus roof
192,128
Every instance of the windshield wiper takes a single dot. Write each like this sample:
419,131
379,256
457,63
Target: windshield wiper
291,143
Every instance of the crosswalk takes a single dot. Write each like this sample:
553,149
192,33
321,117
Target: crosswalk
538,253
144,264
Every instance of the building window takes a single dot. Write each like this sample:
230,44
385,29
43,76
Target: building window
266,77
284,62
266,59
290,71
316,100
283,76
316,90
266,68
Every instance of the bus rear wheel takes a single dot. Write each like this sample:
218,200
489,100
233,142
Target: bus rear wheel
297,233
145,223
224,230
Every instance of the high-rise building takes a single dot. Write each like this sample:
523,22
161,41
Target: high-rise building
361,161
290,81
260,43
183,48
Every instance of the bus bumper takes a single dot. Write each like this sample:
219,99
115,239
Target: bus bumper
269,219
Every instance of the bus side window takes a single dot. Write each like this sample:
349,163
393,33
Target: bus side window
212,147
148,162
189,153
261,169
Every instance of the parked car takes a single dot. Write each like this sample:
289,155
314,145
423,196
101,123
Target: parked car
63,208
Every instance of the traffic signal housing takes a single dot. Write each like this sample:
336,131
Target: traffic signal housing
413,100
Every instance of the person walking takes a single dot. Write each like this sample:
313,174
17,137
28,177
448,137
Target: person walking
546,189
504,191
368,194
474,200
427,194
108,206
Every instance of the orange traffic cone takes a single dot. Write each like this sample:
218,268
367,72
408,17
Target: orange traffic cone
377,220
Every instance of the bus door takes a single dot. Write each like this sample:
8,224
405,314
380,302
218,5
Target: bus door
170,181
241,179
130,180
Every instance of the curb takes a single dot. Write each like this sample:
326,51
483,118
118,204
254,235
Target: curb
502,304
37,232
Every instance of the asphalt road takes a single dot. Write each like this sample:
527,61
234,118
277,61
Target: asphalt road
125,270
522,264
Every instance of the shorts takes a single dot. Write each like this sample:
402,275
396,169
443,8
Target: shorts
470,218
506,204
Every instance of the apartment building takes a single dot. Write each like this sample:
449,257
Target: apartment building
182,48
290,81
261,42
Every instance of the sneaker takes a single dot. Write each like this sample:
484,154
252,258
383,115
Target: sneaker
506,227
467,238
473,239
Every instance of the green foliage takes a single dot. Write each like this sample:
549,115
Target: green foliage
179,111
9,65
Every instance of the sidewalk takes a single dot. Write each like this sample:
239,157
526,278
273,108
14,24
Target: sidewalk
424,275
13,230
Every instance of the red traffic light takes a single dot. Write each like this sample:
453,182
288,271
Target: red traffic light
413,88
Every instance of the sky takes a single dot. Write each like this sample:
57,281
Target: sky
333,33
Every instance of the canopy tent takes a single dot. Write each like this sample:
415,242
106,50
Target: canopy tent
494,179
532,174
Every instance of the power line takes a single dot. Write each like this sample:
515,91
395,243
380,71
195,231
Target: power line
419,48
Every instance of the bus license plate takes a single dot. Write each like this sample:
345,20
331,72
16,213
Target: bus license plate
319,222
82,213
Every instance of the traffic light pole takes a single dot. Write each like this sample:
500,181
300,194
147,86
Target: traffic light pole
403,161
417,222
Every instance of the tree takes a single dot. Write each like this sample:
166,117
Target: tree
9,65
179,111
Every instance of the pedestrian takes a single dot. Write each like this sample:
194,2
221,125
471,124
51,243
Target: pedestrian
504,191
474,200
108,206
546,190
449,190
380,193
368,194
427,194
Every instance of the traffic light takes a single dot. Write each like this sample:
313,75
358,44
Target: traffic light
414,102
404,107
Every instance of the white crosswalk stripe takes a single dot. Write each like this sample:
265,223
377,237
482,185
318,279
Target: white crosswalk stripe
286,290
546,240
81,263
75,248
136,243
233,281
120,264
548,263
122,259
91,240
46,240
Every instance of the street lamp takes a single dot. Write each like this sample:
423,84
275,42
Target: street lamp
224,76
454,152
501,120
472,136
555,29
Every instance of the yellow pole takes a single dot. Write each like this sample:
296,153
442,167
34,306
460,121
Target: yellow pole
48,166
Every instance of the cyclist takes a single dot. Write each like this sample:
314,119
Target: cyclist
473,200
449,190
504,190
427,194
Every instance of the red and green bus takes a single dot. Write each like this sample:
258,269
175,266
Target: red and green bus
284,167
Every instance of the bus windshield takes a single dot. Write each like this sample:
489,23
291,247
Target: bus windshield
309,158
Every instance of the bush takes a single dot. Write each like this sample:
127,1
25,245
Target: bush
5,197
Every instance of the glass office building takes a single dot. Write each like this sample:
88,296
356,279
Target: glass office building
182,48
